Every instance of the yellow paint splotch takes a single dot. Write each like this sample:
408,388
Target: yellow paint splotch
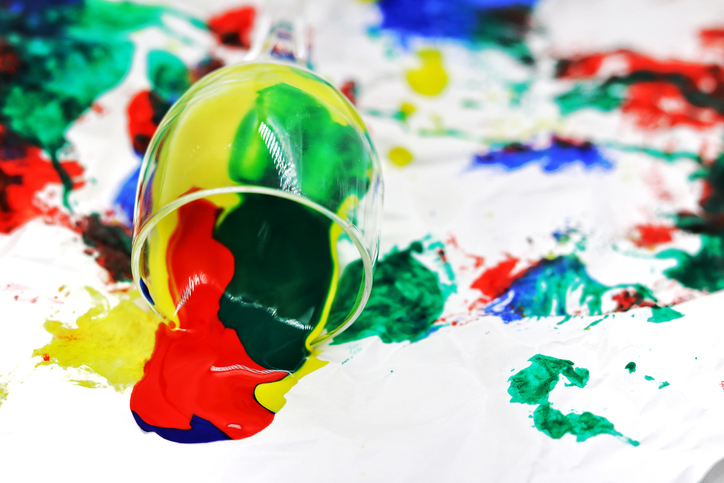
406,110
3,393
271,395
400,156
113,343
430,78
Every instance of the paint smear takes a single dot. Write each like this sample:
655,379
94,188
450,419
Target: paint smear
110,244
533,386
562,286
430,78
631,367
495,281
559,154
406,299
500,24
234,27
655,93
400,156
113,343
649,236
663,314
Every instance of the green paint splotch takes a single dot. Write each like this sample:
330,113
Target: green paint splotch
533,386
663,314
406,299
701,270
69,53
631,367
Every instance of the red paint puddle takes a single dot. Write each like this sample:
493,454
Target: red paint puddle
233,28
649,236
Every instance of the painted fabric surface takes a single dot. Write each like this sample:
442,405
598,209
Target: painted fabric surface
547,297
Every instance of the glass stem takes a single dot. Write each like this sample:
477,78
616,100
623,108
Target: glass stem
282,34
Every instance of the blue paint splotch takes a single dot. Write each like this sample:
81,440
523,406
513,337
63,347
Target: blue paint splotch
562,286
502,24
560,154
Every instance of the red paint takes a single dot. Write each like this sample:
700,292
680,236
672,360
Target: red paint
142,120
658,103
46,357
652,235
178,380
629,299
349,89
24,171
206,66
713,37
496,280
9,60
234,27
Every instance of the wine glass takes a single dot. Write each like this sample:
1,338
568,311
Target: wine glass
262,183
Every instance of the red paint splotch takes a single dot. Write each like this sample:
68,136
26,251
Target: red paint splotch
25,170
349,89
651,235
496,280
712,37
145,112
233,27
630,298
201,368
660,93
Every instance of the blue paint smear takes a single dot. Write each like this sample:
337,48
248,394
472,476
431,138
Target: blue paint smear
126,199
558,155
202,431
502,23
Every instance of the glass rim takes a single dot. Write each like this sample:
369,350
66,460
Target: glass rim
139,240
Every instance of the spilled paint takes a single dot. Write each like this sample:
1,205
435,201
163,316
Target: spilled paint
114,343
406,299
559,154
663,314
430,78
562,286
631,367
533,386
500,24
399,156
655,93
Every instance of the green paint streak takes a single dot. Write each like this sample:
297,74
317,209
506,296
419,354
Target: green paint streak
602,98
534,384
648,378
663,314
71,54
282,275
583,426
631,367
596,322
702,270
664,384
669,156
406,300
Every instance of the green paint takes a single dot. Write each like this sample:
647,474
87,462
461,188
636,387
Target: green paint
406,300
282,275
533,386
71,54
702,270
168,74
596,322
631,367
648,378
602,98
664,384
663,314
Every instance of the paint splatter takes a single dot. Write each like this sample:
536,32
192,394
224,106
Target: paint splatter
559,154
406,299
502,24
110,243
430,78
664,384
656,93
533,386
701,270
663,314
113,343
631,367
400,156
234,27
495,281
648,378
3,393
649,236
562,286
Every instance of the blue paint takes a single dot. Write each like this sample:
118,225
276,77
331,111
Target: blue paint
558,155
202,431
500,23
126,199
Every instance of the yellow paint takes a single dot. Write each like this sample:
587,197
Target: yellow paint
112,343
158,286
430,79
407,110
400,156
271,395
3,393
